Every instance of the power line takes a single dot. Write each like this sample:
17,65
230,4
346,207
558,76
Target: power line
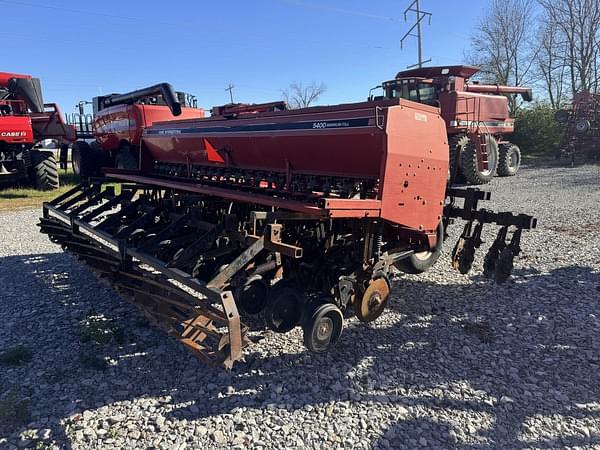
230,89
420,15
338,10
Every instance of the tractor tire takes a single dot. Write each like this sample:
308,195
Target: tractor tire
86,160
125,158
509,160
469,166
457,144
419,262
44,170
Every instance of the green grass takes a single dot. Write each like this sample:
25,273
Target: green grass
99,330
25,196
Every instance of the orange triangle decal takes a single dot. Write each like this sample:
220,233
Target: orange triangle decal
211,152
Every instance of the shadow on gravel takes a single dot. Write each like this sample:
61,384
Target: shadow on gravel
455,349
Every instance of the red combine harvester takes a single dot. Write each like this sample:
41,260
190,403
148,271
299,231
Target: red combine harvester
118,122
24,122
476,115
300,217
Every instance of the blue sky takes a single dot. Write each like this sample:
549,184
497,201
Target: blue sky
81,49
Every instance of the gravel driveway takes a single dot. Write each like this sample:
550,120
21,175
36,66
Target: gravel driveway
456,361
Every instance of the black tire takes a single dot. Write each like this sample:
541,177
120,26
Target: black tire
125,158
509,160
468,161
457,144
251,297
283,309
419,262
562,116
86,160
582,126
44,170
323,329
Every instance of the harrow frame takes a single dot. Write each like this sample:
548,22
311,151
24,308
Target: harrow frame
151,241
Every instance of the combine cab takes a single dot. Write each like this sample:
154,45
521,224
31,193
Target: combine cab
299,218
476,116
24,122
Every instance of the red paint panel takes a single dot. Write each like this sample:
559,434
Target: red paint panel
355,152
127,122
16,130
416,169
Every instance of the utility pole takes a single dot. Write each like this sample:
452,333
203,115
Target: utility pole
230,89
416,8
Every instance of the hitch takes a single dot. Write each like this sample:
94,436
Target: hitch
499,260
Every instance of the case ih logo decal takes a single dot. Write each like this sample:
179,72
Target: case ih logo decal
13,133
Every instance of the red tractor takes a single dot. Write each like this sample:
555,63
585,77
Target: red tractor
25,121
118,123
476,115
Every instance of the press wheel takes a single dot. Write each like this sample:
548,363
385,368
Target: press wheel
324,328
284,308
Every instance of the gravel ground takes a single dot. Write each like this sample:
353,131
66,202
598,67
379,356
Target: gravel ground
456,361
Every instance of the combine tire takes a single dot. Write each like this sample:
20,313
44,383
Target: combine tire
44,172
420,262
86,160
509,160
468,162
457,144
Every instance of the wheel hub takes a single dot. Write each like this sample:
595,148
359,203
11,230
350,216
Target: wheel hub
324,329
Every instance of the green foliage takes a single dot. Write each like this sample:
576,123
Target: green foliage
536,131
14,410
15,356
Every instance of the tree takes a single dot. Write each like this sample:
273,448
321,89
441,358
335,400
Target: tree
300,96
536,131
550,62
502,44
578,24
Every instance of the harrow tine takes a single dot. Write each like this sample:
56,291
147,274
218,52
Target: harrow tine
491,257
203,318
505,263
463,254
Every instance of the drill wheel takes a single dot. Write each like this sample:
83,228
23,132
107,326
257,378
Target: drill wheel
323,329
